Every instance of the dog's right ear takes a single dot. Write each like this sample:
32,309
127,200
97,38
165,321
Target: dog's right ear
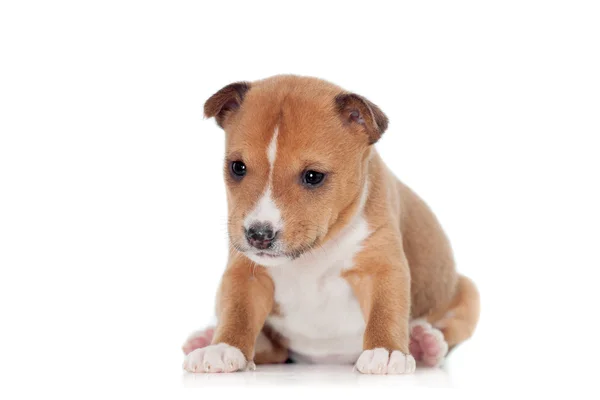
225,102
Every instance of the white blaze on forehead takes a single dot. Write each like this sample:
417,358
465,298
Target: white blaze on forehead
265,209
272,152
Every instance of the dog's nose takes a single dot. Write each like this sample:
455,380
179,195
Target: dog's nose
260,235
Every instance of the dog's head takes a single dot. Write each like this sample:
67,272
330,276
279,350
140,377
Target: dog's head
296,159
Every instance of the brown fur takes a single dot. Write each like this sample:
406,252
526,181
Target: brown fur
244,301
406,268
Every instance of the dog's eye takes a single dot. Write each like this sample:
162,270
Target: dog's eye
238,169
312,178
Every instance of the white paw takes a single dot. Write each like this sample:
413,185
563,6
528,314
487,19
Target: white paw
380,361
215,358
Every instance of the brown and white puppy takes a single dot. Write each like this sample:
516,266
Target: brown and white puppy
333,260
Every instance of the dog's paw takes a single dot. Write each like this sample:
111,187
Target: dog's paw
215,358
427,344
379,361
198,340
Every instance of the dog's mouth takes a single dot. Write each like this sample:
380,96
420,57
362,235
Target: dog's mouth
268,255
292,255
272,254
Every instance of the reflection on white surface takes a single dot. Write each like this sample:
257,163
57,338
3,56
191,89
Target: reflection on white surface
296,374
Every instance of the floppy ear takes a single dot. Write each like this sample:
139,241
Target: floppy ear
355,109
226,101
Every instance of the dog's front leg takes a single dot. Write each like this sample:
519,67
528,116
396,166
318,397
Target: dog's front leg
244,301
381,283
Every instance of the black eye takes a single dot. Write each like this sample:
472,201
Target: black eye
312,178
238,169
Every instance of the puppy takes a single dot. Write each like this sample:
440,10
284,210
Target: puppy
333,259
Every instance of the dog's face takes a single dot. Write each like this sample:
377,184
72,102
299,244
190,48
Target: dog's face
295,163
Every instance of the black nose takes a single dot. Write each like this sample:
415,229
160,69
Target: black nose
260,235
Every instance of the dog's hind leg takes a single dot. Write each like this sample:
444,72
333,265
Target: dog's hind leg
427,344
267,351
432,336
459,320
198,340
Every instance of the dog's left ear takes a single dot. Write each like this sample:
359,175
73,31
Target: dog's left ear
226,101
355,109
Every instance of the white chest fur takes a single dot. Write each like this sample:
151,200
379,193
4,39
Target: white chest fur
320,316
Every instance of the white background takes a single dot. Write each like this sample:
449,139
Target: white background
112,214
